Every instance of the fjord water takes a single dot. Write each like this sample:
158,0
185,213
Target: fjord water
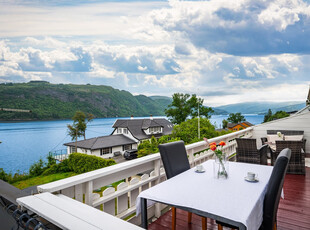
24,143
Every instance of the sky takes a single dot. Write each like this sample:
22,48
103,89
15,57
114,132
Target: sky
222,50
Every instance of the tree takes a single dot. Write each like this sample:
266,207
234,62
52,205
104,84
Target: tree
147,147
224,123
184,105
188,130
78,128
235,118
268,115
277,115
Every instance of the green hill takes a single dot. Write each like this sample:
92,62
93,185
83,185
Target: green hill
61,101
162,100
262,107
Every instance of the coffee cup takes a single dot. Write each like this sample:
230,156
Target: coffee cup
199,168
251,176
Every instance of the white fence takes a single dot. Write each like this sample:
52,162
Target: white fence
138,175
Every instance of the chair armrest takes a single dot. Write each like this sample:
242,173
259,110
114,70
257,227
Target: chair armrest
304,144
264,140
263,154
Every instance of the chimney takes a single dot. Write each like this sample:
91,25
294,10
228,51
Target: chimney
131,117
151,117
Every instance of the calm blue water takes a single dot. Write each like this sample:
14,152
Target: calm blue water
24,143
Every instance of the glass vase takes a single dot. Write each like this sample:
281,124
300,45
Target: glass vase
221,167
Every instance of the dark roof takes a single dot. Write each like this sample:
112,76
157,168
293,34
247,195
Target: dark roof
231,125
103,142
136,126
308,98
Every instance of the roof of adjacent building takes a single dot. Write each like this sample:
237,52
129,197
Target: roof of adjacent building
244,124
308,98
103,142
137,126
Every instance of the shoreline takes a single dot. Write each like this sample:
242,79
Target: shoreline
64,119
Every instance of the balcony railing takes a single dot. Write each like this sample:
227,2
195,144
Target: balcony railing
137,175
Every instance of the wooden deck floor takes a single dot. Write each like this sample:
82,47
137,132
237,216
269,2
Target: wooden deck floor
293,212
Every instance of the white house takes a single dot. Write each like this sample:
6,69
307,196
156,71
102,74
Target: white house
105,146
142,129
127,135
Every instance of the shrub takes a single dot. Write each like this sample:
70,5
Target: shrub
18,177
62,167
37,168
81,163
3,175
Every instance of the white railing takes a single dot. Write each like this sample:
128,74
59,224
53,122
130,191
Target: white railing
137,175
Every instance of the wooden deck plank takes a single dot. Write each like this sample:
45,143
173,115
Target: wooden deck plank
293,212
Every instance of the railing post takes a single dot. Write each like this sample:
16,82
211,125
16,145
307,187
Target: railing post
157,181
89,193
191,156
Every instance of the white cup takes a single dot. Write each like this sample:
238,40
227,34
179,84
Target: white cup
199,168
251,176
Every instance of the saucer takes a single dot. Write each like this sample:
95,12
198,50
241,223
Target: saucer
199,171
253,181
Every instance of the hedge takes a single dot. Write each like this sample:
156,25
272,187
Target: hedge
81,163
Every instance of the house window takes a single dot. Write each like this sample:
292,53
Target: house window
155,129
127,147
105,151
73,149
119,130
125,131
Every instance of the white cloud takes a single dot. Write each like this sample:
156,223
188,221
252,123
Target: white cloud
47,42
229,51
108,19
282,13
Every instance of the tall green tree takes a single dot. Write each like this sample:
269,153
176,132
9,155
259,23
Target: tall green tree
235,118
268,115
188,130
277,115
224,123
78,128
184,105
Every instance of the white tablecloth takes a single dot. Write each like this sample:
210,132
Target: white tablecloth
232,198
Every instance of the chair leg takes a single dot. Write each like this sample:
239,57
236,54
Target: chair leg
174,216
204,223
189,217
219,227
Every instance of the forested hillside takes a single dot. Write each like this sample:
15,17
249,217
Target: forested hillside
60,101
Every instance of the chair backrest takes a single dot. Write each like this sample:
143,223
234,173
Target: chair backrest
273,193
286,132
246,143
247,151
294,146
174,157
297,162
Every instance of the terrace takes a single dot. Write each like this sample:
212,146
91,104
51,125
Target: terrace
140,174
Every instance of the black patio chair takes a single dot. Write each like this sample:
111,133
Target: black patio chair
247,151
175,161
273,193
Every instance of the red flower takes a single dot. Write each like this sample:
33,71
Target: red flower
213,143
213,147
222,143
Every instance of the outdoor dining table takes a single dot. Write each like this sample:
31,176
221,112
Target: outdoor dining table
233,200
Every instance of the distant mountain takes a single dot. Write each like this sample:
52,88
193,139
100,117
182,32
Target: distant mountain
262,107
61,101
218,111
162,100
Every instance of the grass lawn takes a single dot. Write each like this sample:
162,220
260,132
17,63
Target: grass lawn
42,180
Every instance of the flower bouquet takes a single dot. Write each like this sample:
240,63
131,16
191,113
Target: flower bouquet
220,164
